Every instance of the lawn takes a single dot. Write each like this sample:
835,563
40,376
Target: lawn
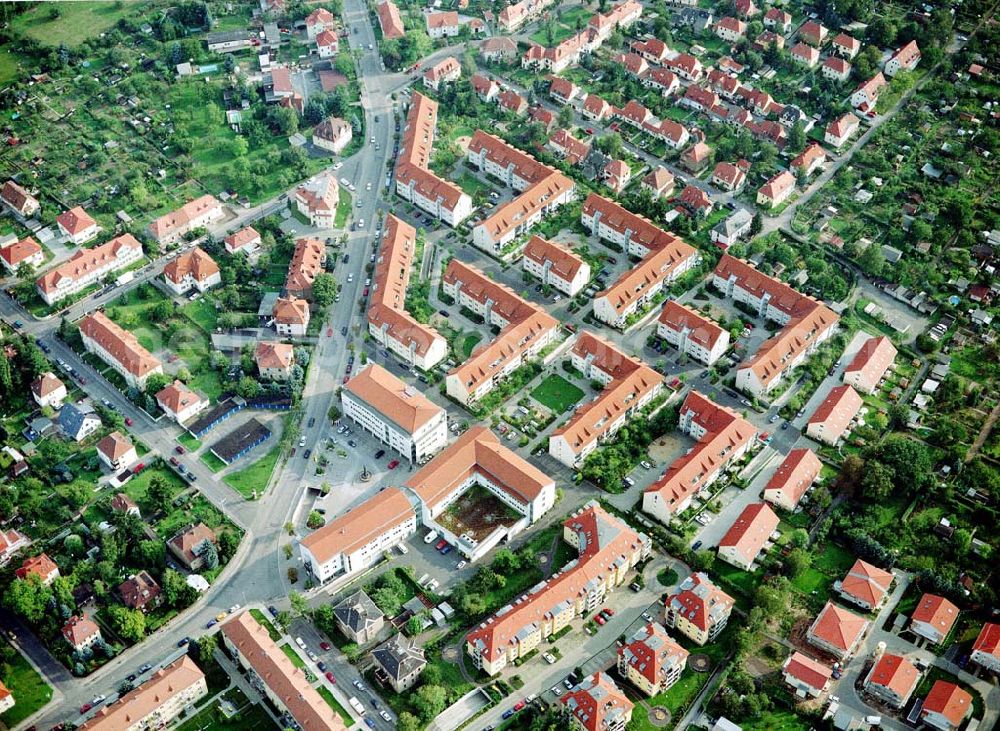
468,342
327,695
210,718
189,442
343,208
212,462
197,510
472,185
10,67
293,655
203,314
777,719
30,691
557,394
73,22
136,487
256,476
834,561
264,622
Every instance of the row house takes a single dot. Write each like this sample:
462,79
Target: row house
77,225
691,333
833,417
564,91
568,147
88,267
841,130
637,288
748,536
664,80
866,370
726,85
594,108
171,227
555,265
389,20
776,190
612,222
652,49
118,348
686,66
18,200
514,16
306,264
793,478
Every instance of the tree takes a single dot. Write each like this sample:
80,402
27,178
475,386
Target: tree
429,701
207,645
798,561
298,602
315,520
324,289
28,597
130,624
230,63
229,542
876,484
210,556
176,591
872,261
153,554
158,493
413,625
408,722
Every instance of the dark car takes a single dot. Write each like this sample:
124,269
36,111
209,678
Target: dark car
343,331
380,454
312,422
444,313
179,449
183,642
322,666
273,610
696,546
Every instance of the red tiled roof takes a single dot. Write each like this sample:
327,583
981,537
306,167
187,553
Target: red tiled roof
949,700
811,672
751,530
936,611
75,220
121,344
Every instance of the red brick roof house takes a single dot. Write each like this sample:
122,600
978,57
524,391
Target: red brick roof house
933,618
946,706
19,200
140,592
776,190
873,360
805,54
837,631
905,59
122,503
748,536
986,648
841,129
811,158
652,660
807,677
41,566
563,90
865,585
597,704
81,632
594,108
27,250
836,68
793,478
695,201
892,680
813,33
833,417
696,157
778,20
77,225
617,174
730,29
728,176
659,182
188,546
846,46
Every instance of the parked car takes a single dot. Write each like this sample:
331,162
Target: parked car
393,465
325,646
380,454
329,676
440,544
179,449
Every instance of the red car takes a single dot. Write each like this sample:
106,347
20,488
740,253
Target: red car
128,421
139,468
346,379
174,461
590,130
599,619
329,332
324,645
519,705
395,463
85,707
179,449
440,544
608,611
329,676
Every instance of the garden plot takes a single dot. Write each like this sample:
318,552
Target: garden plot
478,513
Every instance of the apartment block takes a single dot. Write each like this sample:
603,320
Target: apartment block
119,348
88,267
698,609
172,227
555,265
692,333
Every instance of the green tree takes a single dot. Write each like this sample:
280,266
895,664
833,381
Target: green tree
207,645
130,624
324,289
798,562
408,722
229,543
176,591
876,484
299,604
315,520
158,494
429,701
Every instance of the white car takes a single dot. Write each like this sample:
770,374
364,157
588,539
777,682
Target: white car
385,716
339,165
345,182
361,223
233,609
302,442
461,565
549,658
368,187
350,277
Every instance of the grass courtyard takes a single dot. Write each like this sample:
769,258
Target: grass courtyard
72,23
557,394
28,688
327,695
293,655
256,476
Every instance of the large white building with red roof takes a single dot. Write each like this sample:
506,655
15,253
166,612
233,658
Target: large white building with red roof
246,241
629,384
194,269
837,631
652,660
597,704
805,323
118,348
698,609
389,323
840,130
317,199
608,548
793,478
986,648
933,618
87,267
77,225
197,213
395,413
692,333
892,679
318,21
748,536
832,418
25,251
865,371
179,402
722,437
905,59
555,265
390,21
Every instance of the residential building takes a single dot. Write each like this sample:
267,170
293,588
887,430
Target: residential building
19,200
317,199
841,130
722,438
306,264
652,49
568,147
865,585
746,8
805,55
389,20
443,72
555,265
617,175
776,190
356,540
608,548
892,679
696,158
327,45
358,618
809,160
6,698
832,418
81,632
41,567
162,697
77,225
274,360
871,363
846,46
933,618
512,102
793,478
865,95
198,213
291,317
732,228
662,79
485,87
807,677
806,323
26,251
563,91
946,706
333,134
441,24
48,390
778,20
651,660
629,385
686,66
695,201
837,631
317,21
516,15
87,267
229,41
638,289
730,29
116,451
119,348
594,108
498,49
813,33
836,68
189,545
245,241
767,39
76,424
281,682
11,541
414,181
395,413
748,536
525,329
179,402
698,609
542,190
193,269
905,59
659,183
400,661
729,177
389,324
986,648
140,591
691,333
122,503
478,458
596,704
